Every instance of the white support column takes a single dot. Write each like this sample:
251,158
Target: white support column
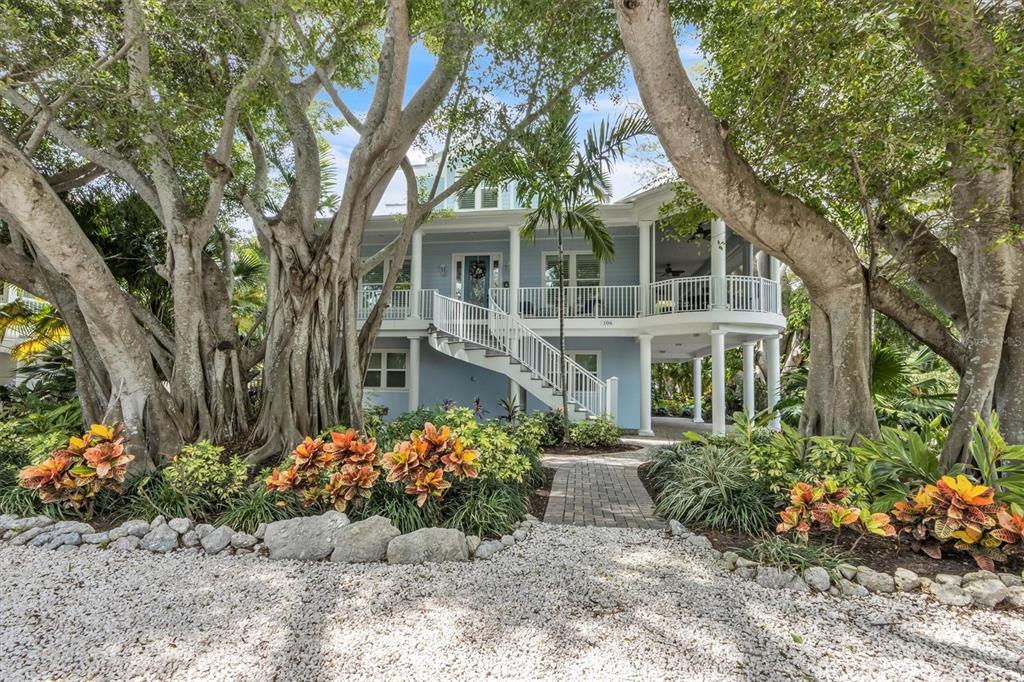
772,369
698,390
514,259
416,273
748,378
717,381
718,250
645,385
412,372
611,399
646,229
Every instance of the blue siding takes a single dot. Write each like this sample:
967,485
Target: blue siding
622,269
438,250
445,378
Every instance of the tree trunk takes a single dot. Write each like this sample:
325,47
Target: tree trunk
563,369
781,225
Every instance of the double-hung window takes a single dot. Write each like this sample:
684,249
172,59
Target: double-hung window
387,369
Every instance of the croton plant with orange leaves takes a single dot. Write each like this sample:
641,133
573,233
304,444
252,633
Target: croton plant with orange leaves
422,461
335,472
73,475
826,504
957,510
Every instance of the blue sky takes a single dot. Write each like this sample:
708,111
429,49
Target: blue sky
626,175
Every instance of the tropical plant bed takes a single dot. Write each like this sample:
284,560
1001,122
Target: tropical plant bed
881,554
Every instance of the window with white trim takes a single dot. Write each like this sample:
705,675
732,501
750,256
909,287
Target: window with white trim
387,370
582,269
374,279
488,197
467,200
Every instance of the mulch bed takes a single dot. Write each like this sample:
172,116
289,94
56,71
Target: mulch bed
539,499
572,450
881,554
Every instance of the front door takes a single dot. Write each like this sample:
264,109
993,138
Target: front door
473,279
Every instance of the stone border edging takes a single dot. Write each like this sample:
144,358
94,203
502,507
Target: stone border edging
981,589
329,536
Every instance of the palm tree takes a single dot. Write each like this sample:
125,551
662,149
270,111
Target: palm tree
39,324
565,182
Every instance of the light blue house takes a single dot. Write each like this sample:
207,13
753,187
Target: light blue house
475,317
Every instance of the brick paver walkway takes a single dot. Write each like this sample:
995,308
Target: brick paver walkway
599,490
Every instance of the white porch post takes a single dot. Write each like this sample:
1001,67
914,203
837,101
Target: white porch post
771,363
645,385
748,378
717,381
775,274
718,251
514,258
645,228
698,418
416,273
611,399
412,372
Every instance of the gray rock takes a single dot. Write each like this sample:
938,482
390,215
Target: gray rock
699,541
72,527
7,535
743,562
161,539
190,539
305,538
950,594
218,540
847,571
1011,580
946,579
976,576
906,581
9,522
204,529
851,589
834,591
770,576
488,549
747,572
136,528
364,541
96,538
261,530
27,535
531,517
729,560
520,535
677,528
1015,596
875,581
797,585
158,521
428,544
507,541
242,540
986,592
472,542
42,539
180,525
67,548
128,542
74,539
817,578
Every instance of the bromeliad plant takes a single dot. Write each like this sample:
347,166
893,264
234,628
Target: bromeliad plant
332,473
422,461
827,504
960,511
72,476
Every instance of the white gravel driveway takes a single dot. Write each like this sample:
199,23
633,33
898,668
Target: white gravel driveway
596,603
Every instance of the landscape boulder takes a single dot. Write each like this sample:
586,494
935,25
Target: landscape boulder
428,544
364,541
307,538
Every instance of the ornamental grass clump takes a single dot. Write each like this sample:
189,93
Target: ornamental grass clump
332,473
961,512
72,476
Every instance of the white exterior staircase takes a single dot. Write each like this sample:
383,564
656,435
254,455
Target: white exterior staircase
495,340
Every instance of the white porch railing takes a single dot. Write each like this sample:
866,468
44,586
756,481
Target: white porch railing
679,295
580,301
752,294
398,306
496,330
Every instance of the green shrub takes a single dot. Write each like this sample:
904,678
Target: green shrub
204,478
547,427
149,496
391,501
778,551
665,458
789,458
486,508
255,505
712,487
594,433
